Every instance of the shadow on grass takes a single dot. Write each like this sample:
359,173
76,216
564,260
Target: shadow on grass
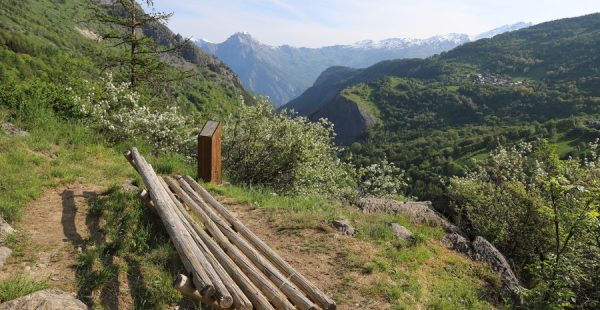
127,259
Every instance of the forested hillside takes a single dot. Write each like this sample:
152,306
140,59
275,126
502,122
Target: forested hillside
57,45
434,115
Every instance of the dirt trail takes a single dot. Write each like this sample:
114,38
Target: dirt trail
54,226
57,224
319,253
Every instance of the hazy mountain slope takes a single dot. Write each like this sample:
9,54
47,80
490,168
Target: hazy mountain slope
284,72
334,79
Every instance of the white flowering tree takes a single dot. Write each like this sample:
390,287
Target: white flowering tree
381,180
544,214
116,111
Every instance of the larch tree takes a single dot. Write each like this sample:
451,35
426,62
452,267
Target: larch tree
139,56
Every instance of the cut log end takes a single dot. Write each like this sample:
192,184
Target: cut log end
186,287
225,302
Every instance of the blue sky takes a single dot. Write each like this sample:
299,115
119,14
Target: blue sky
314,23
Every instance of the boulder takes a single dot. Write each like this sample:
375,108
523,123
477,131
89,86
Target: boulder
419,212
484,251
5,229
4,254
343,227
403,234
45,300
13,130
130,186
458,243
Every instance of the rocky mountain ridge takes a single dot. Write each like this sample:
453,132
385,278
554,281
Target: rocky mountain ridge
283,72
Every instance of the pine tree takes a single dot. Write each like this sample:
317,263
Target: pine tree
138,56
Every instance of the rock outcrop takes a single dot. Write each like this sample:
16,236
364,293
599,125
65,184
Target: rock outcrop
45,300
343,227
13,130
350,121
458,243
419,212
482,250
5,229
5,252
403,234
4,255
486,252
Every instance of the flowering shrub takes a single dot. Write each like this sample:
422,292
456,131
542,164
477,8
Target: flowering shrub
287,153
544,215
382,179
115,110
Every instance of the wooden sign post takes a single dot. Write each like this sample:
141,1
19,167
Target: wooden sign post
209,152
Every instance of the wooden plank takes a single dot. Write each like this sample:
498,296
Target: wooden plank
190,254
222,294
282,282
269,289
244,283
209,153
310,289
240,300
185,286
209,128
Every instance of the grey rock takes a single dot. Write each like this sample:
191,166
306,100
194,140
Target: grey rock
13,130
484,251
45,300
419,212
5,229
129,186
458,243
450,228
402,233
343,227
4,255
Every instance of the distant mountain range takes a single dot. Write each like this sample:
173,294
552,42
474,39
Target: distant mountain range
548,71
284,72
432,116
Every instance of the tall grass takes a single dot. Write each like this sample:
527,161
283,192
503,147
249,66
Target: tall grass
17,286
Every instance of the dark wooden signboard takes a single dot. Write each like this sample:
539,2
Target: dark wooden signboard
209,152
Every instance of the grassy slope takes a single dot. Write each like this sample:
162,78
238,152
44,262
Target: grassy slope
83,158
425,274
42,40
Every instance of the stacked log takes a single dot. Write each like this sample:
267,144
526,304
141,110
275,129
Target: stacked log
228,266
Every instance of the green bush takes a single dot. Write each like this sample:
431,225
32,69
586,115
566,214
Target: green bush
544,215
288,154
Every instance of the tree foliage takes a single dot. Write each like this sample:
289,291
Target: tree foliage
543,214
140,55
289,154
381,179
